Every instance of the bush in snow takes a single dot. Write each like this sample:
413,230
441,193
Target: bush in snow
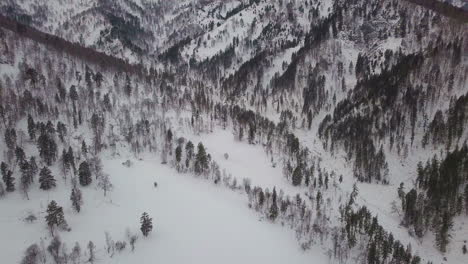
132,238
120,245
127,163
30,217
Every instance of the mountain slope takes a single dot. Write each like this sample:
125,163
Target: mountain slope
334,92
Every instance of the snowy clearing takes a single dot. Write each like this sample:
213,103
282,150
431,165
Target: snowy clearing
194,222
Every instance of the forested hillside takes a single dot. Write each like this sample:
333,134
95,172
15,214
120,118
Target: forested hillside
342,122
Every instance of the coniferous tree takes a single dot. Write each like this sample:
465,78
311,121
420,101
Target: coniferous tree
274,206
189,149
62,131
466,198
33,167
84,174
20,155
10,138
201,160
297,176
7,176
65,163
47,148
442,234
84,148
26,177
76,198
178,154
71,159
3,168
128,86
46,179
146,224
261,198
55,217
31,128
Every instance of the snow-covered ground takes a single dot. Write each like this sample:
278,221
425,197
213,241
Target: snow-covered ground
245,160
194,221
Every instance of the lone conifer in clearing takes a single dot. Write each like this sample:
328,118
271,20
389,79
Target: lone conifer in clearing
146,224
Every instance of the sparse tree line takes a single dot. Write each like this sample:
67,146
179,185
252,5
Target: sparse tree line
57,251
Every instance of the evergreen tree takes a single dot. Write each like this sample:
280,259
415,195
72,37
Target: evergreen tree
297,176
201,160
372,254
7,176
33,167
84,174
84,148
26,177
71,159
178,154
47,148
261,198
76,198
55,217
10,138
65,163
189,148
128,86
251,138
146,224
442,234
31,128
466,198
46,180
274,206
20,155
62,130
3,168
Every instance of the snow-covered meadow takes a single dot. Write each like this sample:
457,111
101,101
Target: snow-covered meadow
194,220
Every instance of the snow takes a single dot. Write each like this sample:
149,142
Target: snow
194,222
245,161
